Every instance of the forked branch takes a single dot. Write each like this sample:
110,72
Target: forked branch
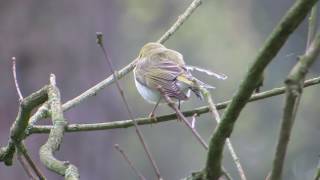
17,130
54,141
293,96
276,40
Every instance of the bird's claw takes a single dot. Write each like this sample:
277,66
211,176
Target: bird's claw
153,118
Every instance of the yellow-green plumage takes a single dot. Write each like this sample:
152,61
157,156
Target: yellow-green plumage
157,67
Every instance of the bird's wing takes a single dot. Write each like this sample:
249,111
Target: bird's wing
163,73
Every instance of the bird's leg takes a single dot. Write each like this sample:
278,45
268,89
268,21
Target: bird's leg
152,114
179,106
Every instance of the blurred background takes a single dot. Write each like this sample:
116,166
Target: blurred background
224,36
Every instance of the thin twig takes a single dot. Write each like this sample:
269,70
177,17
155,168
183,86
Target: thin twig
183,118
143,121
186,122
138,131
293,96
181,19
266,54
125,157
14,72
26,167
42,111
23,163
216,116
23,150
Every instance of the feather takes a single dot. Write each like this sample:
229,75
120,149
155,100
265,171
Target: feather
161,73
208,72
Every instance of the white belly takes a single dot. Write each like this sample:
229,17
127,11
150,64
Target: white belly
151,95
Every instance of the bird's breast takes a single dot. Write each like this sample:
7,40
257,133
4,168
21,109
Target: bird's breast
150,95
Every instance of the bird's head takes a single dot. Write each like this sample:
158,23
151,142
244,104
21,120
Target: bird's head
148,48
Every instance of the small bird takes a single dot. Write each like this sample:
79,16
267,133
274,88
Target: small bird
160,67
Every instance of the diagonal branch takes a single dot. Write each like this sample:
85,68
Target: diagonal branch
216,116
42,111
276,40
312,25
125,70
17,130
25,167
293,96
143,121
15,78
173,106
138,131
181,19
184,119
24,152
46,151
125,157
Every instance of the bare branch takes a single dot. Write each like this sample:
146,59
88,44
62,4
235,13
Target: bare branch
143,121
14,72
181,19
312,25
125,157
24,152
19,145
46,151
183,118
128,68
276,40
216,116
186,122
293,96
138,131
25,167
213,168
42,111
17,130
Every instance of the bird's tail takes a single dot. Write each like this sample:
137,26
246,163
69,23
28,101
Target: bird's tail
194,84
208,72
196,89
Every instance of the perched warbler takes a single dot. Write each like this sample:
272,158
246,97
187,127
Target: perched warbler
159,67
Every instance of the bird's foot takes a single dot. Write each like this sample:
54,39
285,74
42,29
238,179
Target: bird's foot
153,118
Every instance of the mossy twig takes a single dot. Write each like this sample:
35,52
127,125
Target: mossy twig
46,151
